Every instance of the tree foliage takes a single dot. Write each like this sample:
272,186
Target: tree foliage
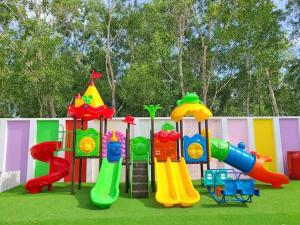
235,54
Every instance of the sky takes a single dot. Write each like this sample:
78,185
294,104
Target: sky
287,28
280,3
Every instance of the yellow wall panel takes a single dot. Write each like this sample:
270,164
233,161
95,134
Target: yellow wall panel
264,141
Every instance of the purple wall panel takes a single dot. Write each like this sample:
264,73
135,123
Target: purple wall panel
17,146
289,132
238,131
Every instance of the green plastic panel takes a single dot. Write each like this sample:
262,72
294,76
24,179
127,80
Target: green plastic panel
88,139
47,130
140,148
219,148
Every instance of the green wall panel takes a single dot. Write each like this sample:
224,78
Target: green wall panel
47,130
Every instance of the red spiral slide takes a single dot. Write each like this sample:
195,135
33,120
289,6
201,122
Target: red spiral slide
59,167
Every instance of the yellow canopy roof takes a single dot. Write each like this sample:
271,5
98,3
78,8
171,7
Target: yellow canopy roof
198,111
190,105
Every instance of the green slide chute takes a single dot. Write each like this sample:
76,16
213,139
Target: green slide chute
219,148
106,191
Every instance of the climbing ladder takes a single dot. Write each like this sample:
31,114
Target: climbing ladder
139,167
140,180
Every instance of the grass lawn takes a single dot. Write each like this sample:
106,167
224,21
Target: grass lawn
275,206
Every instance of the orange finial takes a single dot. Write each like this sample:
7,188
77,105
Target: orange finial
78,96
114,137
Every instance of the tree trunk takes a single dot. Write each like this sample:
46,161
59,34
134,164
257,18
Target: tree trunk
248,75
272,95
259,96
203,70
180,45
111,79
109,66
113,95
51,108
41,107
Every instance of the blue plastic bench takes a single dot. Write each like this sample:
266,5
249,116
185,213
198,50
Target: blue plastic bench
247,187
208,179
230,188
215,177
221,176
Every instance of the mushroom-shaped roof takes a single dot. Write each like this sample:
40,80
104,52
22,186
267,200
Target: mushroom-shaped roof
190,105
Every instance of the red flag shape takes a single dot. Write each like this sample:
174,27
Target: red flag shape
96,75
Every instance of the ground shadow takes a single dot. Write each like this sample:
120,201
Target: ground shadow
203,192
123,194
83,197
199,186
57,189
16,190
265,187
150,202
227,205
147,202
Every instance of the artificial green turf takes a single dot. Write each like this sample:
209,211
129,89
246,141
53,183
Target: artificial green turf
275,206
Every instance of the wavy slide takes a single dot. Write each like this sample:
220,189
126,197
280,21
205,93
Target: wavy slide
260,173
106,191
59,167
250,163
174,185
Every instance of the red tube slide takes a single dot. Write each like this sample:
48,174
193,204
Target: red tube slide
260,173
59,167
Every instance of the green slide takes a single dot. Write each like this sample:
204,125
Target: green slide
106,191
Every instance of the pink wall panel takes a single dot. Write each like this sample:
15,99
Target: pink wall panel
216,132
238,131
190,127
215,128
289,132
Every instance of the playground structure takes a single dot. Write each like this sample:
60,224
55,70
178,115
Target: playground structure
156,164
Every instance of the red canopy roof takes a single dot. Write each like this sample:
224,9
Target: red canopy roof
88,112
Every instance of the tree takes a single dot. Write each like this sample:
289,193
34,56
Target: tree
35,57
232,53
293,17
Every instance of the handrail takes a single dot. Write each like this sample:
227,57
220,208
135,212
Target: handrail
149,174
131,173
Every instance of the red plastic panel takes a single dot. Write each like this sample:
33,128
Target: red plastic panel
162,150
293,161
68,154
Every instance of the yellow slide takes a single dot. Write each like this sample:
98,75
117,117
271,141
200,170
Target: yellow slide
174,185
